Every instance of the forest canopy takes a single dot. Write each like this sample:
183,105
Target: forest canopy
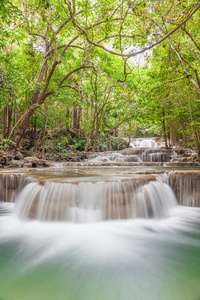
83,72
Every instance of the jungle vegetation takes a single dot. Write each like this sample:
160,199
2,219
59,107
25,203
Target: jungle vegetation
81,72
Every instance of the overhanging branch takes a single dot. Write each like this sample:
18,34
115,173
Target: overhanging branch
168,81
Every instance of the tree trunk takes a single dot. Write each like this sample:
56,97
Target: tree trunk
164,129
75,119
25,123
44,130
67,117
4,121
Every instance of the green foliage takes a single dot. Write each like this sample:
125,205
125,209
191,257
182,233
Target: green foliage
7,144
109,91
111,143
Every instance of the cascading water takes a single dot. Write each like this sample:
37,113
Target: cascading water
151,155
144,143
90,202
116,239
11,186
187,187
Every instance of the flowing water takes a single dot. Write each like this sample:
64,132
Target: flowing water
144,143
92,253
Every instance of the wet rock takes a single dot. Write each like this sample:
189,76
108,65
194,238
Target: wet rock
27,165
130,158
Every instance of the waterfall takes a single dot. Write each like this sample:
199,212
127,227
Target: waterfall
134,155
111,199
95,201
144,155
186,186
11,185
144,143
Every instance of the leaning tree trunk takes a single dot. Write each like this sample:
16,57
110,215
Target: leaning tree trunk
25,122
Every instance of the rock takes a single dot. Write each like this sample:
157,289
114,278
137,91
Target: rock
31,158
26,152
18,156
3,159
27,165
16,163
39,163
36,162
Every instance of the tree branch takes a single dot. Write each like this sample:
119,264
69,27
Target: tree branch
80,29
168,81
191,37
71,72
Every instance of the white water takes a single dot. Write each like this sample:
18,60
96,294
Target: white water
144,143
143,156
149,256
95,201
12,185
187,187
134,259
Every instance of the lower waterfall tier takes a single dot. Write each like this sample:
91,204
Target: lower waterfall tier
90,202
140,195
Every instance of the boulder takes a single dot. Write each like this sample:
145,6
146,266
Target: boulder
30,158
18,156
3,159
16,163
39,163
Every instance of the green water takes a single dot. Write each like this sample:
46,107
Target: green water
121,260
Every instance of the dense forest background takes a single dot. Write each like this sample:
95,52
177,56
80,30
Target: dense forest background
80,74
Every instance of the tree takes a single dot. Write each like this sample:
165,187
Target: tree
55,44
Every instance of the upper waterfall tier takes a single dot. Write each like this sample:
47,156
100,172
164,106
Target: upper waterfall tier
139,155
147,142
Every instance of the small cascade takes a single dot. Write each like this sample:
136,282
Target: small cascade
183,155
11,185
149,155
110,157
186,186
6,208
143,143
134,155
95,201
